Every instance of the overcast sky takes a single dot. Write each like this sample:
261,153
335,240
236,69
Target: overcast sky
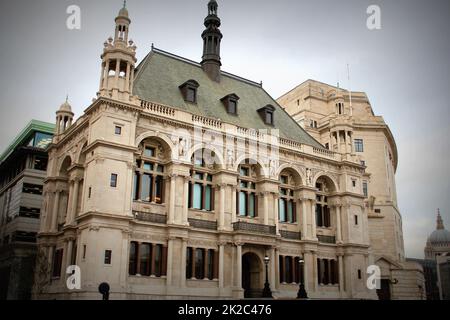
404,68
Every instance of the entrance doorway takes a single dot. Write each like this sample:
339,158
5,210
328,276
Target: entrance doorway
384,293
252,275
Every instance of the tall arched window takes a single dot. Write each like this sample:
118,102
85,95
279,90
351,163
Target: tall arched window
287,207
323,218
201,187
247,199
149,176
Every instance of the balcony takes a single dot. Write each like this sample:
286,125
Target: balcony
150,217
203,224
253,227
326,239
291,235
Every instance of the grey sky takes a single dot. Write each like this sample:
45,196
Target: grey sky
404,68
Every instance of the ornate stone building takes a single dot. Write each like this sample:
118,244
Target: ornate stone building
181,180
344,122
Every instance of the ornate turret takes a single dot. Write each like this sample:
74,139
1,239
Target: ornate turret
118,61
211,43
64,117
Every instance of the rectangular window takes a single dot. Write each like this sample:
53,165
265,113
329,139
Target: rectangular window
359,145
118,130
353,183
232,107
145,259
157,255
365,189
113,182
197,197
149,152
251,205
32,188
89,192
108,254
269,117
57,263
29,212
190,95
377,210
359,274
242,203
327,146
188,263
40,163
290,212
145,187
282,210
136,185
356,220
84,251
199,263
132,263
159,189
208,198
244,172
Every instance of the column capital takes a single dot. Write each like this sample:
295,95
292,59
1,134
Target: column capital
239,244
222,243
221,185
264,193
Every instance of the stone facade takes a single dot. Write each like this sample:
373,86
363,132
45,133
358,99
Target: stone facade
345,123
131,199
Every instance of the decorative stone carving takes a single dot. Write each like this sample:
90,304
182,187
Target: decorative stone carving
230,158
309,178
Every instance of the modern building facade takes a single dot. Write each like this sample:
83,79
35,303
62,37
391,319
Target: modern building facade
184,181
22,172
345,123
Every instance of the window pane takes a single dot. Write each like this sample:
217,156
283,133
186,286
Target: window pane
145,187
197,198
208,195
148,166
290,212
244,172
199,263
135,186
198,176
144,255
159,189
242,203
132,261
244,184
269,118
158,253
149,152
282,210
190,95
42,140
251,205
113,182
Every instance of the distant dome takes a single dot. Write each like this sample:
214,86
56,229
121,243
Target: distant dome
65,107
440,236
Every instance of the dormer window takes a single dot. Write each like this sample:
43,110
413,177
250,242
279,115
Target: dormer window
267,114
231,102
189,91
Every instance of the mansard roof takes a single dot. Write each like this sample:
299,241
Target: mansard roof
160,74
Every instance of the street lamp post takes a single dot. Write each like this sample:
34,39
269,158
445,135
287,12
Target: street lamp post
267,293
301,294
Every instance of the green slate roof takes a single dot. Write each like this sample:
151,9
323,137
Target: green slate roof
32,127
160,74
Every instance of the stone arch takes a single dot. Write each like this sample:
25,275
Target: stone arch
64,166
263,170
297,173
157,135
80,156
331,182
252,273
202,146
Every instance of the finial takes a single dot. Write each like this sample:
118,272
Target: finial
124,3
67,98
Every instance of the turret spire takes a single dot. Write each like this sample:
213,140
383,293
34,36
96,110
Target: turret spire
211,43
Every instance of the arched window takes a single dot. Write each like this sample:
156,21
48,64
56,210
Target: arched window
322,210
149,176
247,199
201,188
287,211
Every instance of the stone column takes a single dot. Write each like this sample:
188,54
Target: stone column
183,263
273,263
233,204
275,212
54,226
171,213
338,224
315,281
222,188
304,220
75,190
69,253
277,259
313,219
307,258
239,265
185,218
127,79
265,196
169,272
341,273
131,80
221,264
